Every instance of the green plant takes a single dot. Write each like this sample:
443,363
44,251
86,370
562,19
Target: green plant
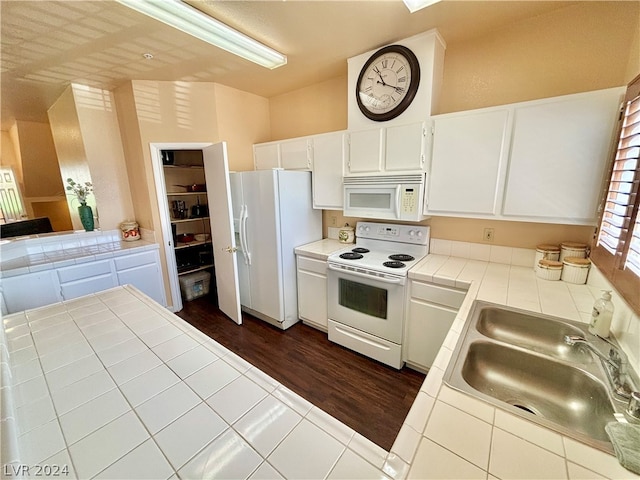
80,190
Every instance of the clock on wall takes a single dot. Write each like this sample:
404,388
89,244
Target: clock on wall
388,83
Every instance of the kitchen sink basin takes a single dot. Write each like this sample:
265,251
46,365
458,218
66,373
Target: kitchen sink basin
554,391
518,361
537,333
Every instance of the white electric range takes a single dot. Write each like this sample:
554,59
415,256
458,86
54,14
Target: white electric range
366,288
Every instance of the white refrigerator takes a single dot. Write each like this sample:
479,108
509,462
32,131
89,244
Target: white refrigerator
272,215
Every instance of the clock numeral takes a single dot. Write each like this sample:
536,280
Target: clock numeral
400,69
385,62
402,79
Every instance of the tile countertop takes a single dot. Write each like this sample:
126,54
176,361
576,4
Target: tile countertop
321,249
38,256
448,434
114,386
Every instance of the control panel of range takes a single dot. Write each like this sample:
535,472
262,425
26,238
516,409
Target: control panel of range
416,234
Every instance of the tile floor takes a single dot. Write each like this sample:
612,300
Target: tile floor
113,386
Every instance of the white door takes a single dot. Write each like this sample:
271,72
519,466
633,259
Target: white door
216,170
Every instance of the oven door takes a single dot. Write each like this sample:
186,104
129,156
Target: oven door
370,304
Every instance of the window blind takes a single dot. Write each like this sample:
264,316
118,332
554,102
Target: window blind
623,187
617,247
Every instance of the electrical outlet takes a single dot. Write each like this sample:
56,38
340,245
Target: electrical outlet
334,221
488,235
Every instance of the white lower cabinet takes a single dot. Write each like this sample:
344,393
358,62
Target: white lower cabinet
86,278
312,291
142,270
31,290
431,312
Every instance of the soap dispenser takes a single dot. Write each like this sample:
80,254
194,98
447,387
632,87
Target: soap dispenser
601,315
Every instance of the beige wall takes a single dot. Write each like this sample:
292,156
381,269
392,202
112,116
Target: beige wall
87,141
67,137
587,46
315,109
103,147
243,119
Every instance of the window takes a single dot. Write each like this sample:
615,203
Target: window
617,248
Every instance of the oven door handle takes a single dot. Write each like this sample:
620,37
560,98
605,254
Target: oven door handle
385,279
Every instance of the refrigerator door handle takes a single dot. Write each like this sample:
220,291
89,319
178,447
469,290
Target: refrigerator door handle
243,235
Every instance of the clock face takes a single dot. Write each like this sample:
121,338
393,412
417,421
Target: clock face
388,83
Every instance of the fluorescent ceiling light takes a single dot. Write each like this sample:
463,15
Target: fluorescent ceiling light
415,5
179,15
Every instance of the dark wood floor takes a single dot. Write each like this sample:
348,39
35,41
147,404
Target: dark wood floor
371,398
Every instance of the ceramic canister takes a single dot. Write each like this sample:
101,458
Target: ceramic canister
573,249
549,270
575,270
130,231
546,252
346,234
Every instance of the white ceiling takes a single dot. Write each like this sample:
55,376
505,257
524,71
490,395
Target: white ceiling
46,45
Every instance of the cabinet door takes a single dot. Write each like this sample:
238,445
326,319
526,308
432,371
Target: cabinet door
404,147
86,278
427,327
365,151
558,157
294,154
328,192
469,151
312,292
147,279
266,156
31,290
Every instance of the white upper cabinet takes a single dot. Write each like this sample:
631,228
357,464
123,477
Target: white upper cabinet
541,161
294,154
395,149
328,155
266,156
559,154
365,151
469,153
405,147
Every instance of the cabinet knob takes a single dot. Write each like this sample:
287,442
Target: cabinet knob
230,249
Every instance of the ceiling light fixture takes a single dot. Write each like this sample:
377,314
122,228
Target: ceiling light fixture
189,20
415,5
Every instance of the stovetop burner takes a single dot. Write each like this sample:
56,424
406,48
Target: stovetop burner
401,257
394,264
361,250
351,256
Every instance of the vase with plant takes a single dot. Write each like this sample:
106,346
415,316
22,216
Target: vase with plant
82,191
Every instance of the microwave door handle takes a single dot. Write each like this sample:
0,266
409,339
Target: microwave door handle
398,191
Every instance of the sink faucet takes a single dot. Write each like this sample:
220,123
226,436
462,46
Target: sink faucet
616,361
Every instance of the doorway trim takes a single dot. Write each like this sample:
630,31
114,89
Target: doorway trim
165,217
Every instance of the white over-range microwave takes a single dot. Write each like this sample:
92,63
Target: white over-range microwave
386,197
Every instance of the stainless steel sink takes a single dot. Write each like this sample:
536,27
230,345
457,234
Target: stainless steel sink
534,332
562,394
518,361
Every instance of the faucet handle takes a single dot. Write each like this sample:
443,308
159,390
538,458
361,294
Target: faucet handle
633,408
